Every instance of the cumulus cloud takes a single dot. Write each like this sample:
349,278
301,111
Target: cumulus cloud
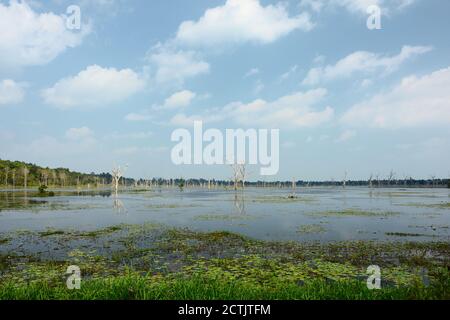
363,62
291,111
175,65
241,21
179,99
11,92
95,86
79,133
137,117
415,102
51,151
295,110
28,38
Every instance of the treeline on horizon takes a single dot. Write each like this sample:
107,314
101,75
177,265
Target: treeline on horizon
21,174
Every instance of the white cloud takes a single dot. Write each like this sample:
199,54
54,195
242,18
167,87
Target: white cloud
137,117
183,120
315,5
133,150
51,151
416,101
77,134
126,151
95,86
29,38
174,65
294,111
357,6
258,87
319,59
130,135
366,83
251,72
11,92
363,62
179,99
346,135
241,21
292,70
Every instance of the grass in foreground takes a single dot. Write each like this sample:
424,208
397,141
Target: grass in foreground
137,287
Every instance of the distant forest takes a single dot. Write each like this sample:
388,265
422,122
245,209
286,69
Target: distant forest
21,174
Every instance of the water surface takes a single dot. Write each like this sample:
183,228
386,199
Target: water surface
314,214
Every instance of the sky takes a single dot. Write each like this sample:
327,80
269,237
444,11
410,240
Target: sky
345,98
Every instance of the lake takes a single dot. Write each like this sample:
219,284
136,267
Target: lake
313,214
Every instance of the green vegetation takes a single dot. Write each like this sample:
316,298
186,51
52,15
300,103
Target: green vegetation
21,174
403,234
222,217
154,262
42,192
442,205
199,287
311,228
181,184
353,213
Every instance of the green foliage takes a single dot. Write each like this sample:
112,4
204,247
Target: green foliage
151,262
133,286
181,184
42,189
20,174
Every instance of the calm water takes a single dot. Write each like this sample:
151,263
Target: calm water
258,213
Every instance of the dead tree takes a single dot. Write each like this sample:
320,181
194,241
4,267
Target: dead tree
13,174
62,178
344,182
54,178
25,172
391,177
6,176
243,174
433,180
240,174
235,176
117,173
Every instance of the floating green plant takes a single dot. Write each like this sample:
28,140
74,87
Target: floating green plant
353,213
223,217
311,228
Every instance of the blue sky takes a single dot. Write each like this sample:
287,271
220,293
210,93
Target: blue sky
345,98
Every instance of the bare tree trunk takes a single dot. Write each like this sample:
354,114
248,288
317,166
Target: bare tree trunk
344,182
6,176
25,172
116,173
